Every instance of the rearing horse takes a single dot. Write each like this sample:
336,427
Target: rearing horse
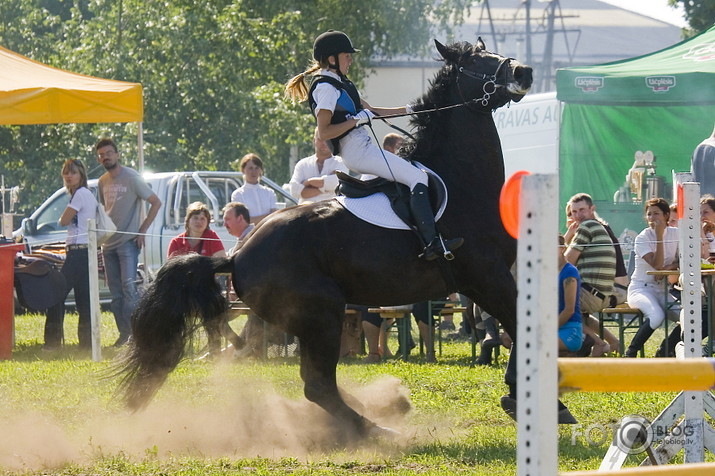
303,264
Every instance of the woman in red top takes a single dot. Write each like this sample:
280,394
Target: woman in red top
198,237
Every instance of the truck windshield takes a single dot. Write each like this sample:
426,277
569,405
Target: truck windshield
48,219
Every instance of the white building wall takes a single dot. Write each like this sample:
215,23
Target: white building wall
395,87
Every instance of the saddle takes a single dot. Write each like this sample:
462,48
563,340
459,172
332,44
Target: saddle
398,194
39,285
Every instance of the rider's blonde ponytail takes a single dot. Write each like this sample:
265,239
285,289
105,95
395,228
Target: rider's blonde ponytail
297,89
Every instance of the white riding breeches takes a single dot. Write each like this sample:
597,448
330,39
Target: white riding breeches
650,298
360,154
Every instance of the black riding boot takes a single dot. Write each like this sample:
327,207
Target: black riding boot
490,342
508,402
424,220
667,347
639,340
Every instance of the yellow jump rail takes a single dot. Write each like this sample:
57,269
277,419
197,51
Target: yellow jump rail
635,375
691,469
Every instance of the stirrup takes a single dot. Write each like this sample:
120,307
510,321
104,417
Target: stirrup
438,244
446,252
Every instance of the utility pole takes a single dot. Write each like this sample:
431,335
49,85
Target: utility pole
527,10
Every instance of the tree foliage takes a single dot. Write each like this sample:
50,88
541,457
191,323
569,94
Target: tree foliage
212,71
700,14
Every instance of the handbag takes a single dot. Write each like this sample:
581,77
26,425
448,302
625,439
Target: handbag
105,226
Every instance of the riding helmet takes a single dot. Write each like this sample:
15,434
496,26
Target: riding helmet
331,43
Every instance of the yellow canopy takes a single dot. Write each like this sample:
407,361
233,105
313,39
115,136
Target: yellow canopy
34,93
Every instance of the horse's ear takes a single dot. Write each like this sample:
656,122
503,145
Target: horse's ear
441,48
445,52
480,44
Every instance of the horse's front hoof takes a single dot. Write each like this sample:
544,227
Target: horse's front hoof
378,431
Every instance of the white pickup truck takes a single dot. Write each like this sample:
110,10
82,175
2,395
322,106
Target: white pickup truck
176,191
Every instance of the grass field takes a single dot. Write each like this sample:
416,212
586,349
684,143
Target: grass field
60,416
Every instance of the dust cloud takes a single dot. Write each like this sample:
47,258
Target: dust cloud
246,419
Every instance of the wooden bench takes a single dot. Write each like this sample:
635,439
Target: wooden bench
237,308
624,317
450,308
402,315
352,341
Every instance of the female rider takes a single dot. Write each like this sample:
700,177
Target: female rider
339,110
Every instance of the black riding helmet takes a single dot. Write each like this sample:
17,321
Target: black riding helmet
331,43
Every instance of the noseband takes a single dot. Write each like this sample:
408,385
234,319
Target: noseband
489,87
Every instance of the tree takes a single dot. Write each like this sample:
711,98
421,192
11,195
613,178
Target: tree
699,14
213,73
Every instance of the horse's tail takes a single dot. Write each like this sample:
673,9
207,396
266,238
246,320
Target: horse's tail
183,296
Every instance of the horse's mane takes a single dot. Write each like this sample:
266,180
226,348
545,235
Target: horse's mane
431,128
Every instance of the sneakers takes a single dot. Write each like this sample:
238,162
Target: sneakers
508,404
601,349
586,347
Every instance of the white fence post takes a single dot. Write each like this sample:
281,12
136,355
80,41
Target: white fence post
689,245
95,309
537,344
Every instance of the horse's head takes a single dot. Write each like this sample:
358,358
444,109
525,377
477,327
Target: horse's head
485,78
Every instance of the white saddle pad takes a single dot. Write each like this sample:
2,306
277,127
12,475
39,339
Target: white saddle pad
376,209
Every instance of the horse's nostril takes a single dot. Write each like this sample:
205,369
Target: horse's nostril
523,75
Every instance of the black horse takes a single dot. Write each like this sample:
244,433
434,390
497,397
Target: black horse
303,264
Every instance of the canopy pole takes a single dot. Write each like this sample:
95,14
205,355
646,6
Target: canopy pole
140,147
142,209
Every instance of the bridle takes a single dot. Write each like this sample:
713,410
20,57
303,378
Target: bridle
489,87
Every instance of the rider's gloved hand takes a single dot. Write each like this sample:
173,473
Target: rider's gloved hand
363,117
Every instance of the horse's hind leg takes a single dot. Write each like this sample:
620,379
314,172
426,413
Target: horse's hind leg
319,351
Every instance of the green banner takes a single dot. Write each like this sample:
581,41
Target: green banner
598,144
680,74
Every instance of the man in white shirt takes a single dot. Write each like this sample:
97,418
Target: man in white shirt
314,177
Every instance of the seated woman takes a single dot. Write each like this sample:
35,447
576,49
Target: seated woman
570,320
260,200
707,218
656,248
198,237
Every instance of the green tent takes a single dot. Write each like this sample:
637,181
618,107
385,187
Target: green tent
662,102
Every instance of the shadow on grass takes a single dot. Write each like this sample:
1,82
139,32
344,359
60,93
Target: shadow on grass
33,352
416,358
